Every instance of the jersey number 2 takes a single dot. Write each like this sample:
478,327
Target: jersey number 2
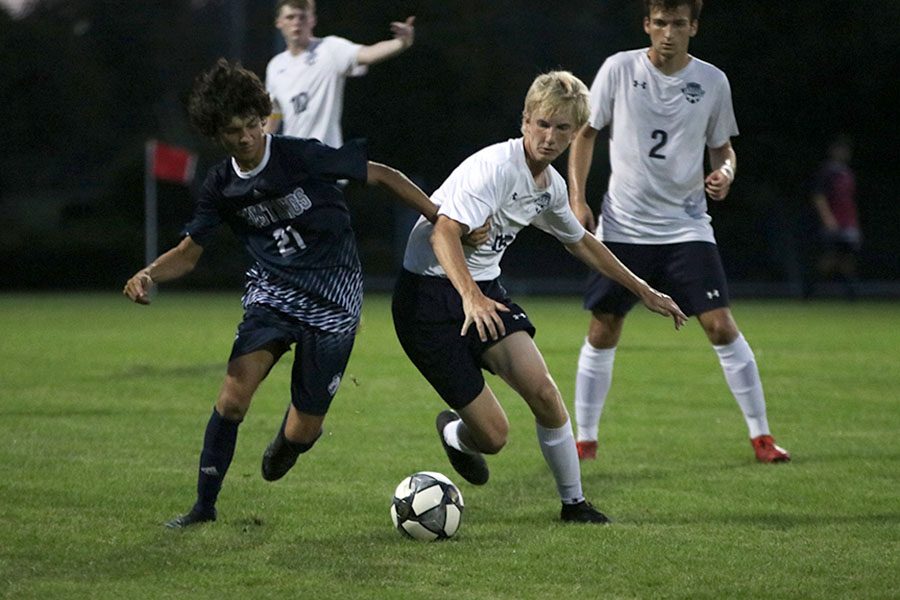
663,137
288,241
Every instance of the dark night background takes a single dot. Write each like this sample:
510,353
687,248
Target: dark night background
83,84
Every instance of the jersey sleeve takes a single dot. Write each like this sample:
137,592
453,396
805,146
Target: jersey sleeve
206,219
558,219
722,123
469,194
344,52
350,161
602,95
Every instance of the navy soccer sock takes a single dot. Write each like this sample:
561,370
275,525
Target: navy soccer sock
218,450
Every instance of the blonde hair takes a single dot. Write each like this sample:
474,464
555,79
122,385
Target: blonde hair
558,92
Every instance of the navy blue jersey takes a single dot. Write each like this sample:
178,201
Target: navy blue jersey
293,219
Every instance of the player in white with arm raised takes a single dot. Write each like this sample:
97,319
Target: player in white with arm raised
664,108
454,318
306,81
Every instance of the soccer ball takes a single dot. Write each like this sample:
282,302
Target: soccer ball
427,506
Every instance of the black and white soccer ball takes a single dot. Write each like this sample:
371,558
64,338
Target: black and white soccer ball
427,506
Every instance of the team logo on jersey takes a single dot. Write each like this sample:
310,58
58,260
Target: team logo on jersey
334,385
501,241
542,202
693,92
263,214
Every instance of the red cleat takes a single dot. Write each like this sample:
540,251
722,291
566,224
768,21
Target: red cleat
767,451
587,450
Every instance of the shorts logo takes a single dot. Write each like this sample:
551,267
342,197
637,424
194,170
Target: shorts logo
334,385
693,92
518,316
712,294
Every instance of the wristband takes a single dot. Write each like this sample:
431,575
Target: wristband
728,170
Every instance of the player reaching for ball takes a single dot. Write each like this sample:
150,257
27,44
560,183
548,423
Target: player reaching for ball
665,107
454,318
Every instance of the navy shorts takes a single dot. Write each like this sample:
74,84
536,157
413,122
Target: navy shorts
428,316
690,272
320,357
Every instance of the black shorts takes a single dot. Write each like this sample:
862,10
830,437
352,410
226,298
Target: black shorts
428,316
320,357
690,272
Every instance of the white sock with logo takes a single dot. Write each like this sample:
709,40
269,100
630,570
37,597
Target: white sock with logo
558,448
742,375
592,383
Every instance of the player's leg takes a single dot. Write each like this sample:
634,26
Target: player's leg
695,274
608,302
244,374
319,363
594,378
517,360
742,376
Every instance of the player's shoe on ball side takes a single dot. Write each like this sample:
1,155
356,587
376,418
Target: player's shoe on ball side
583,512
767,451
191,518
587,449
472,467
278,458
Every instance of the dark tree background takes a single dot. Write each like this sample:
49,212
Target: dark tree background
83,84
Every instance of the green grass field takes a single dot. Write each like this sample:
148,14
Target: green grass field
103,405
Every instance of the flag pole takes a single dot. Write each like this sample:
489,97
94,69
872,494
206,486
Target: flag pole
150,204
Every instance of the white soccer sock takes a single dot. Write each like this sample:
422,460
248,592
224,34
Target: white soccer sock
451,436
739,365
592,382
558,448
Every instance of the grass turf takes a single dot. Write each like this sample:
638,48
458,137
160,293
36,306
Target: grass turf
104,404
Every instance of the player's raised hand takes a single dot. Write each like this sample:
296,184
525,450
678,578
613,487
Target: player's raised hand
483,313
664,305
137,289
405,31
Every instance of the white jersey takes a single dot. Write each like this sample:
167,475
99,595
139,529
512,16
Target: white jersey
308,88
494,182
661,126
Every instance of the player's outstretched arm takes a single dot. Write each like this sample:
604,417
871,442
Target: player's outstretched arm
404,35
175,263
480,310
597,256
404,189
581,154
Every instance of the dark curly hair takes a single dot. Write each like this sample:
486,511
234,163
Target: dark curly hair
696,6
225,91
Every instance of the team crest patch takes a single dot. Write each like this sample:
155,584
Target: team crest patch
542,202
693,92
334,385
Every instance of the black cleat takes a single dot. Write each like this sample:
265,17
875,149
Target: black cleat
472,467
191,518
583,512
278,458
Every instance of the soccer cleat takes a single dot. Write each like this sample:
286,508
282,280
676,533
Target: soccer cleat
767,451
278,458
587,450
472,467
583,512
191,518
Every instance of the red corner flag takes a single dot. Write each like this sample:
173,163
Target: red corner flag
171,163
